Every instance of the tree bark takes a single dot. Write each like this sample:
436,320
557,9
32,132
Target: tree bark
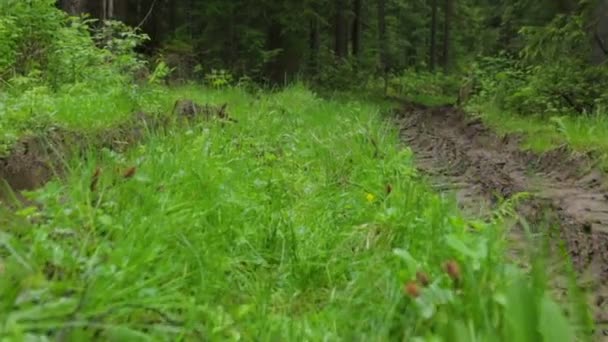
173,20
274,40
382,39
138,10
314,43
357,27
341,34
599,33
121,11
433,50
73,7
447,31
191,8
110,9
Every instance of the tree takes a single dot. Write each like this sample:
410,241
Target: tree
341,34
433,49
357,27
599,32
314,42
382,39
447,39
110,7
248,37
73,7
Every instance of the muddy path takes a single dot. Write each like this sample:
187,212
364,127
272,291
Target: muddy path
463,156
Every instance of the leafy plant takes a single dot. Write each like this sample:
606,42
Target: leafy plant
218,78
161,71
54,67
552,73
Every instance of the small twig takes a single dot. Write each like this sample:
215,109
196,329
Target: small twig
572,104
147,15
600,42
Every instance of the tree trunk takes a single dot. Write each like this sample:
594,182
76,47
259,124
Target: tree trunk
173,20
433,50
314,44
110,9
73,7
341,34
104,9
382,39
447,31
274,40
357,27
599,33
191,9
139,10
121,11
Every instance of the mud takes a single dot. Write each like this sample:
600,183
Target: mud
464,156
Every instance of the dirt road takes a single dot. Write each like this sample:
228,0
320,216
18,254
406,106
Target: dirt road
464,156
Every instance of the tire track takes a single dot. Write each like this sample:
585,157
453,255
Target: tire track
482,167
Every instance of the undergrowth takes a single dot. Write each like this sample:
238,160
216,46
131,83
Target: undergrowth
490,94
67,71
304,221
431,89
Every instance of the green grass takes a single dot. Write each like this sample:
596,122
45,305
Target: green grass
84,108
278,228
430,89
581,133
77,107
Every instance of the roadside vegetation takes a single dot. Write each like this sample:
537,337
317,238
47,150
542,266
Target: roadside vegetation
304,220
279,227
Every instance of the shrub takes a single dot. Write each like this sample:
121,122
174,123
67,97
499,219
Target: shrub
41,43
64,70
552,73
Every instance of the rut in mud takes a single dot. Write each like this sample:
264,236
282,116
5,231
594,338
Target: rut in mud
480,167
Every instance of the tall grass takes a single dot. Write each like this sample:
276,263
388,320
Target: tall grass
304,221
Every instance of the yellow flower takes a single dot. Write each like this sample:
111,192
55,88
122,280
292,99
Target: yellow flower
370,197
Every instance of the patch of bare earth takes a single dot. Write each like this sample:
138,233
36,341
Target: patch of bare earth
464,156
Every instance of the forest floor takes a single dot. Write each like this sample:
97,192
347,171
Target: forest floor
463,155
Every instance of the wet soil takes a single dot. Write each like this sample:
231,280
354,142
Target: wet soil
462,155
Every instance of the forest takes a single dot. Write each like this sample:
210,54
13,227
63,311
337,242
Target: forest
313,170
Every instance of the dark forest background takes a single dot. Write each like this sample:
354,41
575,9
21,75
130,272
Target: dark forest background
527,56
278,39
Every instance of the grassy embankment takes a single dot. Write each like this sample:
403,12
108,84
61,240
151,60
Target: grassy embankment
581,133
542,133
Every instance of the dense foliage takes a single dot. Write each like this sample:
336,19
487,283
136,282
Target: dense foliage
55,68
551,74
527,56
